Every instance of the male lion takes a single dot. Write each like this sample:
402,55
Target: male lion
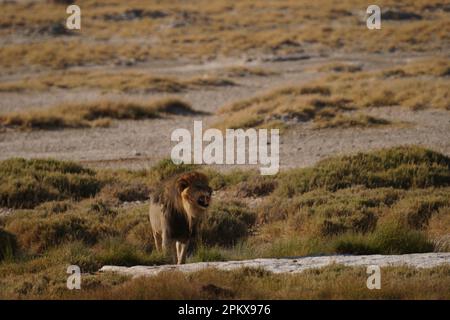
175,210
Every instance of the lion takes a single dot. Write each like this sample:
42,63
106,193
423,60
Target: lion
176,208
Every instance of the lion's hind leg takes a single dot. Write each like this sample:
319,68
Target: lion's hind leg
158,241
169,247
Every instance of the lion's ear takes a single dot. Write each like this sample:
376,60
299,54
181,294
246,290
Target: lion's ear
182,184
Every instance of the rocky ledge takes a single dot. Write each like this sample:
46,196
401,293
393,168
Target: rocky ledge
293,265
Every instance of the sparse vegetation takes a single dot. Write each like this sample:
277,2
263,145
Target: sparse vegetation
420,84
347,283
129,82
402,167
215,28
8,245
341,67
93,114
249,283
242,71
345,121
226,224
392,201
286,104
27,183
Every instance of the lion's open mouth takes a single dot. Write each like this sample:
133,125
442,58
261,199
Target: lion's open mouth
203,202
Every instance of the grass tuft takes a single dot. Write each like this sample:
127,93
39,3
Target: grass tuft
93,114
401,167
27,183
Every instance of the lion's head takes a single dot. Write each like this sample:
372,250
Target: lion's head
195,192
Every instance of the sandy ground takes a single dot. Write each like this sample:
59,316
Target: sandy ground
139,144
294,265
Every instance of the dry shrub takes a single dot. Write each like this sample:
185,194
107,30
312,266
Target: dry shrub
93,114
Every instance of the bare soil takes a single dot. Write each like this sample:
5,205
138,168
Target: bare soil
139,144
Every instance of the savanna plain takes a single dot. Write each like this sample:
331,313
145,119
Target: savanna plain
86,118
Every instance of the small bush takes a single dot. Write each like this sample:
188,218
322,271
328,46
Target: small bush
125,192
324,91
415,211
226,224
55,207
93,114
101,208
27,183
353,244
166,168
401,167
38,234
114,251
74,253
393,239
219,180
256,186
8,245
207,254
386,239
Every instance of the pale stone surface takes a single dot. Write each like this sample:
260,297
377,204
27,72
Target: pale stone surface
293,265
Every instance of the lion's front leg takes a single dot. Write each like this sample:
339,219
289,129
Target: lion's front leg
181,252
158,241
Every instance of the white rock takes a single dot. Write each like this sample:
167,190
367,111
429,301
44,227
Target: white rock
295,265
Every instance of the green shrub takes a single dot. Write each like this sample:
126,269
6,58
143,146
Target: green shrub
40,233
394,239
207,254
219,180
55,206
134,191
166,168
8,245
101,208
27,183
401,167
75,253
386,239
256,186
416,209
226,223
114,251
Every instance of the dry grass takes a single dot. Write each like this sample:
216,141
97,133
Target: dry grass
340,67
437,67
92,114
334,282
117,81
420,84
242,71
208,29
353,121
286,104
59,54
389,201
